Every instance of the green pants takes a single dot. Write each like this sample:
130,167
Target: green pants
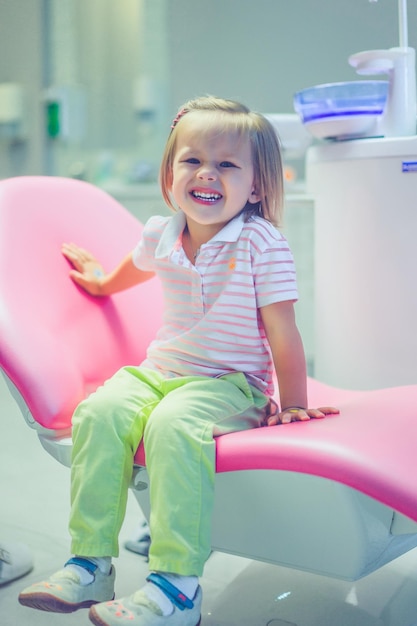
177,419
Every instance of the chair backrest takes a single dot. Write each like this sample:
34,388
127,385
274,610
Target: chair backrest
79,340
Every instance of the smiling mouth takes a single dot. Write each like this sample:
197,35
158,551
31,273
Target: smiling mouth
207,197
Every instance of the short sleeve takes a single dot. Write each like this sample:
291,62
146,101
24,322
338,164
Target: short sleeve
274,272
144,253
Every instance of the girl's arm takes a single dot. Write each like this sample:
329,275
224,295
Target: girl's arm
89,273
290,365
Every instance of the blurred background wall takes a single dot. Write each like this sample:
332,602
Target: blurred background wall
116,71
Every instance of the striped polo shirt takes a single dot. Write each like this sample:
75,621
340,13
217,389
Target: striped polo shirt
211,323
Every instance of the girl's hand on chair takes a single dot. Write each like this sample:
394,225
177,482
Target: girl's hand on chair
88,272
295,414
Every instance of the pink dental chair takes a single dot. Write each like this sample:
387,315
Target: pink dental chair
334,496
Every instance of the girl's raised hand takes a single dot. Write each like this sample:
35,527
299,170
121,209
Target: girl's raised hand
87,272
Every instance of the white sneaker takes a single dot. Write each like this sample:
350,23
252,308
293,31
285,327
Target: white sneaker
139,610
64,593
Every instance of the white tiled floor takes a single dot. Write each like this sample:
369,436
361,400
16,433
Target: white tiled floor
34,492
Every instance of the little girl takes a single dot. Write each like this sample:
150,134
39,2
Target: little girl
229,285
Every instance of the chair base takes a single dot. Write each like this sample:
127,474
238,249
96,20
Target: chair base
335,530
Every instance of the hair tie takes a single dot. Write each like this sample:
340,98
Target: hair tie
180,113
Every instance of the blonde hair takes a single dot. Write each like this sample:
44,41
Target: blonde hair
265,148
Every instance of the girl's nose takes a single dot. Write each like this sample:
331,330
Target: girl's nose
207,172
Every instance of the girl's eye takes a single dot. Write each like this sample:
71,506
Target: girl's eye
227,164
192,160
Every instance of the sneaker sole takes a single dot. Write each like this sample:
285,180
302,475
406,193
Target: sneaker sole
52,604
97,621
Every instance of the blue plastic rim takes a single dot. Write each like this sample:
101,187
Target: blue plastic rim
365,97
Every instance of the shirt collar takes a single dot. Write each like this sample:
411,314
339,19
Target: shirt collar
171,237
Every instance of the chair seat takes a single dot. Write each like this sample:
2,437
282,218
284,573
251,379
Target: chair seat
324,495
370,446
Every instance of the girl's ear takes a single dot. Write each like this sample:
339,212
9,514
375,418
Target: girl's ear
254,197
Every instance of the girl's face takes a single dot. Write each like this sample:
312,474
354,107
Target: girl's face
212,174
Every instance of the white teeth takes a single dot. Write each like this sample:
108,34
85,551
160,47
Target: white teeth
211,197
